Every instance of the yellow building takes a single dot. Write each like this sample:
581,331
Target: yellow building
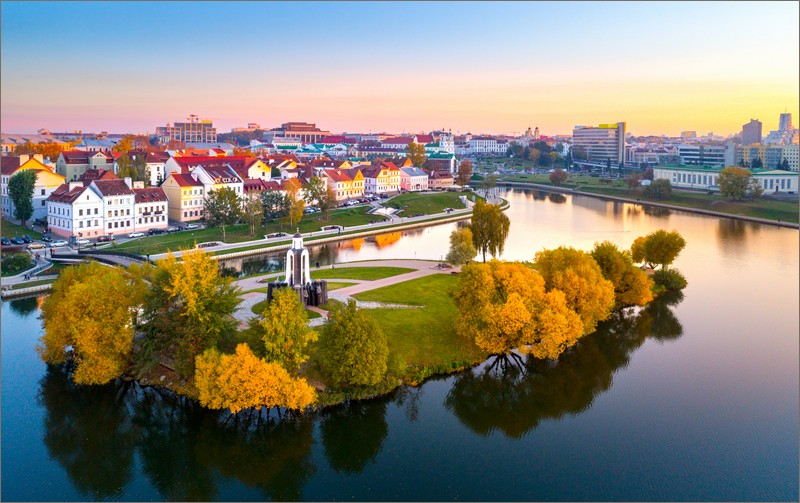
185,194
346,183
47,180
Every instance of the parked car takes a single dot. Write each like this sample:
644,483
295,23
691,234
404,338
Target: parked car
153,232
27,239
35,246
105,239
173,228
5,241
41,222
47,239
17,241
136,234
192,226
82,241
58,244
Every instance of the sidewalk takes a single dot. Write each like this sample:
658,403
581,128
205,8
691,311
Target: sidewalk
20,278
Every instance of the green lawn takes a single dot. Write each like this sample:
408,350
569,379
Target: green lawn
786,211
29,284
12,230
423,337
335,285
258,309
346,217
426,204
362,273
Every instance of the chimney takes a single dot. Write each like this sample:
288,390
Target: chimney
128,181
38,157
23,159
138,185
73,185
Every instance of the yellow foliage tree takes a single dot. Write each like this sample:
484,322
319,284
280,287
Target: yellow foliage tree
242,381
575,273
92,309
632,287
504,306
286,334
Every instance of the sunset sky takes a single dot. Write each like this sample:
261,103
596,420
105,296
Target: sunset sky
359,67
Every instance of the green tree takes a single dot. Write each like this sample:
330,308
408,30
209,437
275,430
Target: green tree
13,262
662,247
462,248
533,155
464,172
633,181
188,309
136,169
253,211
756,163
314,190
558,176
93,310
355,349
276,205
327,202
632,287
575,273
416,152
784,165
516,149
733,182
296,206
222,208
286,334
658,189
489,228
20,190
488,183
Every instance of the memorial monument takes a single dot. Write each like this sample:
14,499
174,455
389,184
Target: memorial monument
298,276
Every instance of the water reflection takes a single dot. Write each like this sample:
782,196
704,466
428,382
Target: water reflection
353,435
94,432
25,307
557,198
513,396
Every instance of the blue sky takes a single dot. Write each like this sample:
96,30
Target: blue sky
354,66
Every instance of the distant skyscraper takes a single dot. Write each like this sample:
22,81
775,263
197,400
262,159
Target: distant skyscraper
785,123
751,132
599,144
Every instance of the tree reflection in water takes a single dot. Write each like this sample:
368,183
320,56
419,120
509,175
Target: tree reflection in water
94,432
353,434
514,396
24,307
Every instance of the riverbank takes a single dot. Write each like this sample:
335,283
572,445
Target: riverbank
595,192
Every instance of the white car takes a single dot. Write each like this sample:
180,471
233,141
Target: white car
82,241
58,244
192,226
136,234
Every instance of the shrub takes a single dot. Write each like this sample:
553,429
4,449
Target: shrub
671,279
16,262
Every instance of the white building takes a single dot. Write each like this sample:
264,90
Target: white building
118,204
413,179
707,178
149,207
486,145
47,181
75,210
710,155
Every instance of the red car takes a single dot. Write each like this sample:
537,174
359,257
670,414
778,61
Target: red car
105,239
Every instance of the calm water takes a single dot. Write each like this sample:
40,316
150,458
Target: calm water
694,398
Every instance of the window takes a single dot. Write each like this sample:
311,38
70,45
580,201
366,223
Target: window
80,213
43,202
109,225
109,213
42,191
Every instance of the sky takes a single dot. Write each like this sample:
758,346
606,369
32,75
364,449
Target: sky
499,67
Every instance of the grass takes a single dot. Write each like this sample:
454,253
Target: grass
161,243
12,230
29,284
335,285
423,337
361,273
426,204
786,211
258,309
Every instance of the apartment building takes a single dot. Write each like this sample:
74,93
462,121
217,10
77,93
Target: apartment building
599,144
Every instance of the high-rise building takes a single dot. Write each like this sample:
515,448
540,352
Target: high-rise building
194,131
301,131
751,132
599,144
785,122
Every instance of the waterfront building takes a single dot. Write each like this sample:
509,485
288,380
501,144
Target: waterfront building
600,144
413,179
194,130
346,183
707,178
47,181
751,132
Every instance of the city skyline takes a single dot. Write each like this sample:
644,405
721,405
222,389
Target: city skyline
551,65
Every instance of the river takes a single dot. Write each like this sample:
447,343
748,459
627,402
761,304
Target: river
696,398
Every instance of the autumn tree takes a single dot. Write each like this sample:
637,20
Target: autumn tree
243,381
464,173
286,334
276,205
136,168
222,208
188,309
575,273
92,310
50,150
558,176
488,183
20,189
313,190
125,144
632,287
659,247
416,152
253,211
489,228
503,306
296,206
354,346
462,248
734,182
248,152
633,181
